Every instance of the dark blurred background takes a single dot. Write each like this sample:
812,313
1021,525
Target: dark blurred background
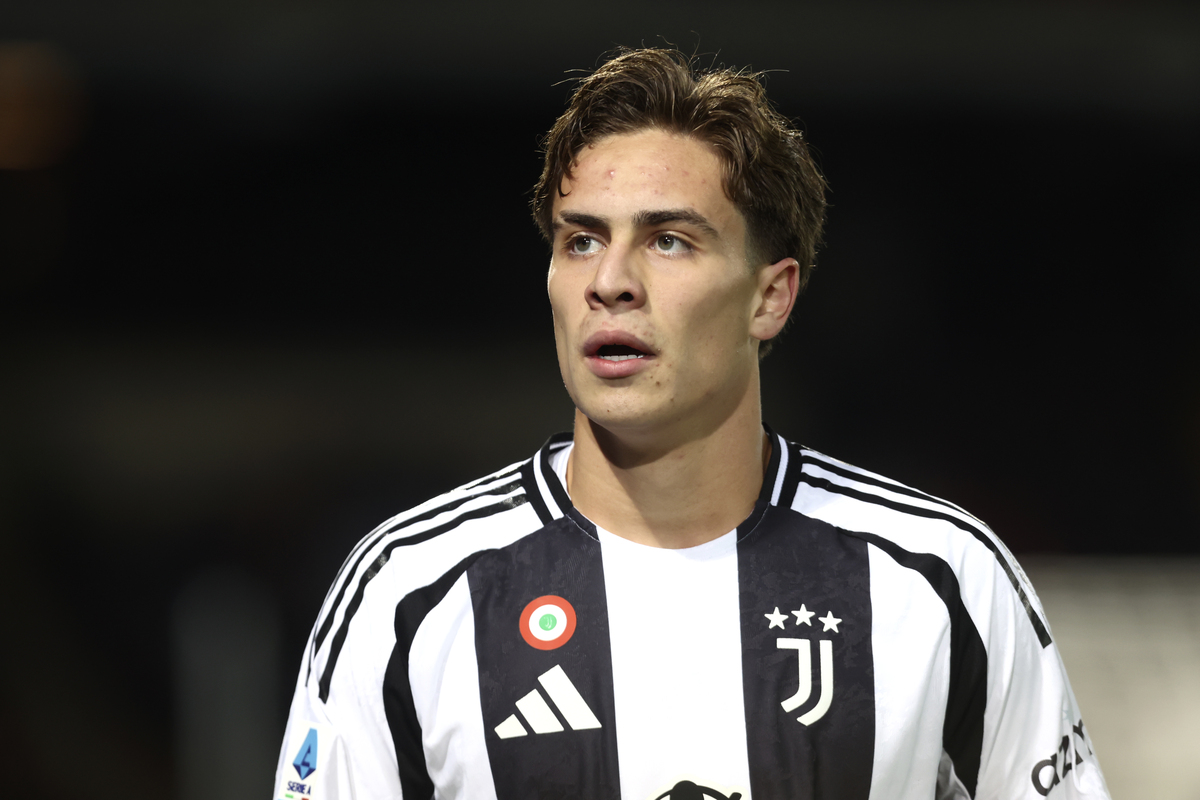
268,277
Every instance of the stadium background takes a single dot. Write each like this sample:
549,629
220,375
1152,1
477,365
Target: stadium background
268,277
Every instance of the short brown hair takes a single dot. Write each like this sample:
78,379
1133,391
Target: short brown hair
769,176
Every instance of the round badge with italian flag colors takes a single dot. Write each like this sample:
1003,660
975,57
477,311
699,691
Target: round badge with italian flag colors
548,622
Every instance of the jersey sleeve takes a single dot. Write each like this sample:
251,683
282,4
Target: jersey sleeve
313,762
353,730
1035,743
338,745
335,750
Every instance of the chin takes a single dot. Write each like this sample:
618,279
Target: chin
621,416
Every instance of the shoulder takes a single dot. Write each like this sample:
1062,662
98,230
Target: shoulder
908,525
493,502
425,546
474,516
833,478
855,499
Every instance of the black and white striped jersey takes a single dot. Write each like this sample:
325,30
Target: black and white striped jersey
853,638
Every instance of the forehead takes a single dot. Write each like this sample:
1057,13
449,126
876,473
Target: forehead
647,170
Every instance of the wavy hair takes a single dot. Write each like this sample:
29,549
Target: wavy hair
769,174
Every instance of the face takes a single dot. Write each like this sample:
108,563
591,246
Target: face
657,312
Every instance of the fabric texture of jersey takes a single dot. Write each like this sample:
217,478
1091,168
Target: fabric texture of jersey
852,638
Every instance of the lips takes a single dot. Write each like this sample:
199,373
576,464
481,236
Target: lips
615,343
616,354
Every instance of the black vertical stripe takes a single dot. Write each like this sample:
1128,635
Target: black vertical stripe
1039,627
962,728
398,703
558,560
787,562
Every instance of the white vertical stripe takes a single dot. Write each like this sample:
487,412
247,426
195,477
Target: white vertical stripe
910,643
568,699
538,714
675,630
453,731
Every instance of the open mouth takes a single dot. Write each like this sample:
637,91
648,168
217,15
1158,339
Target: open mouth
618,352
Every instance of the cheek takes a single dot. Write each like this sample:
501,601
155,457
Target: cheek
563,285
561,317
723,336
559,321
557,294
719,316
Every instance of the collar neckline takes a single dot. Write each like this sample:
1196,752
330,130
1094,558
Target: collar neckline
558,502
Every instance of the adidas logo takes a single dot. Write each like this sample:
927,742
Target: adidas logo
541,717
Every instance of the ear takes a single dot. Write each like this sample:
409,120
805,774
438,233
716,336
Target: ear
778,286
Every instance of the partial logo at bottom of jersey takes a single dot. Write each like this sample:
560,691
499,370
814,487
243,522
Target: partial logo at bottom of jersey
686,790
547,622
803,648
538,714
306,758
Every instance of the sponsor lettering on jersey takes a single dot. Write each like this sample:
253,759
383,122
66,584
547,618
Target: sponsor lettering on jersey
1049,772
804,671
541,717
548,622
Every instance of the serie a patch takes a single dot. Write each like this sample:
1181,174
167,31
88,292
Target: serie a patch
308,753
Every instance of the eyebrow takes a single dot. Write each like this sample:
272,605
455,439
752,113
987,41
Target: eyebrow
579,221
641,219
649,218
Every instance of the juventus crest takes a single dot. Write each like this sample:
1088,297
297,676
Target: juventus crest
804,663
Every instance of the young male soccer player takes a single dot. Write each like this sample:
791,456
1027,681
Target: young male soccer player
675,602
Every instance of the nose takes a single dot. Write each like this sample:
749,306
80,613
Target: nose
617,283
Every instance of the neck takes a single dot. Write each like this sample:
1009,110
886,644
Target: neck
670,490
